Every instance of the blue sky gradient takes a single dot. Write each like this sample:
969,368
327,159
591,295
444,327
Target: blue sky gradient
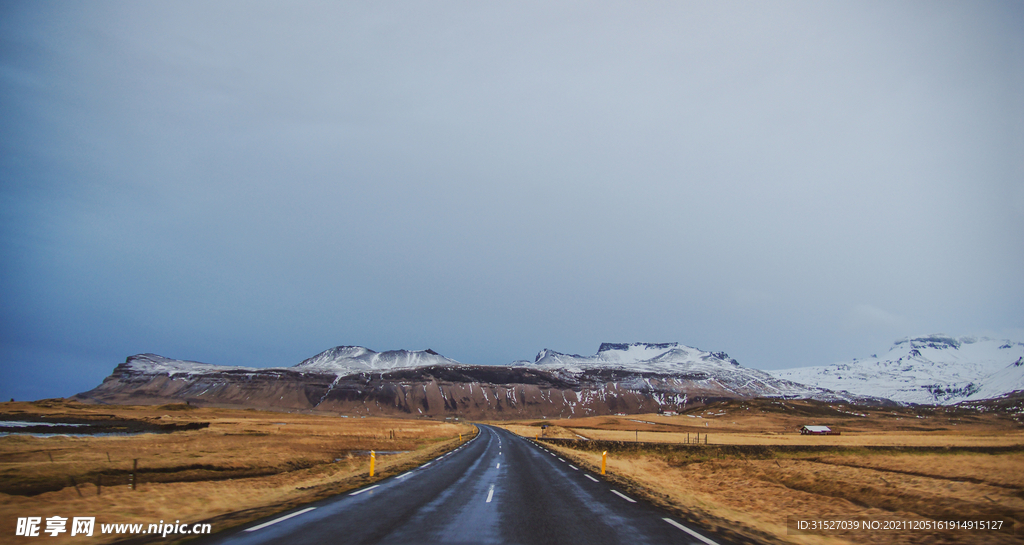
249,183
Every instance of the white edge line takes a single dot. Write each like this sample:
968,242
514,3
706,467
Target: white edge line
574,467
623,496
592,479
364,490
275,521
404,475
689,531
561,460
426,464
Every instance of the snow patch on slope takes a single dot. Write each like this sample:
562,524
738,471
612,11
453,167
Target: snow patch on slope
667,358
158,365
356,359
339,361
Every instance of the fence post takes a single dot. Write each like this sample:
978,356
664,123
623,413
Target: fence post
75,484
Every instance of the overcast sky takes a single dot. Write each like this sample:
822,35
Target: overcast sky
245,183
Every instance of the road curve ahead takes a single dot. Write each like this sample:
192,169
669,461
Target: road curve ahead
497,488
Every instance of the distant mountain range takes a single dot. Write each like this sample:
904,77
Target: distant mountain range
931,369
620,378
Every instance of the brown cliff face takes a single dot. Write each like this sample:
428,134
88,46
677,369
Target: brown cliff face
464,391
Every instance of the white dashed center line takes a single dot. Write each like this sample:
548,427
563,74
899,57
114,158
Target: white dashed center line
490,494
364,490
498,466
275,521
691,532
623,496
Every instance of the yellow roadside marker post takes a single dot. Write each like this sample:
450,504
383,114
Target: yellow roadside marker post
460,437
604,461
373,461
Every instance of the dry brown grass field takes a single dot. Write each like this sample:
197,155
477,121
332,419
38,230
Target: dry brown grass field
246,464
757,470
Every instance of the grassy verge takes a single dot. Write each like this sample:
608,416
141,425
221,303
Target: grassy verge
243,466
756,472
753,493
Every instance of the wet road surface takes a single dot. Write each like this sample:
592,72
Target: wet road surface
497,488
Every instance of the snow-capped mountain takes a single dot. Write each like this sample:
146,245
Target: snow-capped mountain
154,364
339,361
929,369
676,367
346,360
343,378
665,358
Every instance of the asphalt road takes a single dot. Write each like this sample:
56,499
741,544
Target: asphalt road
497,488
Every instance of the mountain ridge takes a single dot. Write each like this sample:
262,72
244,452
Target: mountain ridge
342,360
661,357
620,378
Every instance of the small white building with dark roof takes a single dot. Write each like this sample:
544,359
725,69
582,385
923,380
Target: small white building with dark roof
817,430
